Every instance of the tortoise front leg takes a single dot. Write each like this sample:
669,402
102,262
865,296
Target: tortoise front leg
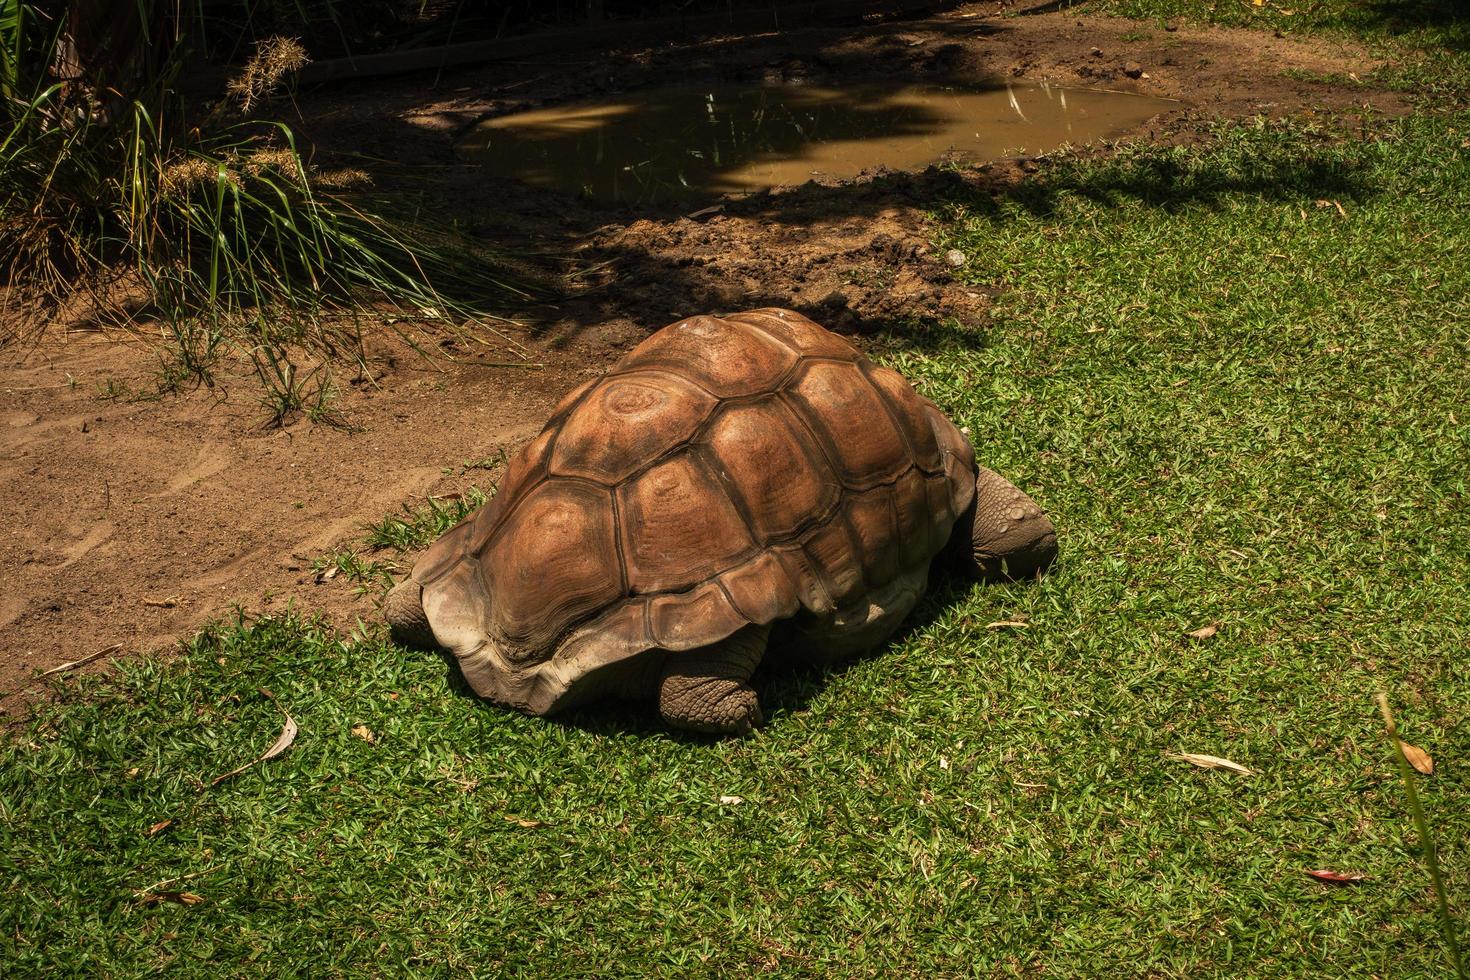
707,690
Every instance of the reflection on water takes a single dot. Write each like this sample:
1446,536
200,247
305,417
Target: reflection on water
693,143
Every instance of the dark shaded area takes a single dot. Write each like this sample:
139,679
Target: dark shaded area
786,686
652,284
1449,19
333,29
558,230
827,249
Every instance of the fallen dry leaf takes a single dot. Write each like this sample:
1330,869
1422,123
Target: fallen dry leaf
1417,757
168,603
1203,633
182,898
523,821
281,744
732,800
1337,878
1008,624
365,733
1213,762
161,825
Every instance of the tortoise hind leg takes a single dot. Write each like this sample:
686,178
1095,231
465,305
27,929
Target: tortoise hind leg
404,610
708,689
1005,535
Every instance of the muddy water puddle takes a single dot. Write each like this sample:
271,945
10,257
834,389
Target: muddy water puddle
690,144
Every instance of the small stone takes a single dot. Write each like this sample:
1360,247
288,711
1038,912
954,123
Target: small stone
1133,69
1096,52
955,257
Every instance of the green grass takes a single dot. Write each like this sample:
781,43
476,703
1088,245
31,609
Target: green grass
1240,407
388,542
417,527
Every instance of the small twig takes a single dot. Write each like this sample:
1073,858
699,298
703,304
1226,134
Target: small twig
141,892
84,661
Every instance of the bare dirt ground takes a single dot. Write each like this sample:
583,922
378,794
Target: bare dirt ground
131,522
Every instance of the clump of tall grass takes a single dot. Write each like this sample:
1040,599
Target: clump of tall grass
215,235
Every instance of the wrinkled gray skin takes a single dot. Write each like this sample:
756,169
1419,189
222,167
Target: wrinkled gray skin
1004,536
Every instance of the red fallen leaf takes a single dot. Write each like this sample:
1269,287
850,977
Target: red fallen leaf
1337,878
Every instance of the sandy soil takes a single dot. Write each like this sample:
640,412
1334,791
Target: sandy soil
133,521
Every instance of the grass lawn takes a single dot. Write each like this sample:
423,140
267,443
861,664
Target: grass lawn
1235,375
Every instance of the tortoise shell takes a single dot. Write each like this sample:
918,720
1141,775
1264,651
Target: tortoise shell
727,471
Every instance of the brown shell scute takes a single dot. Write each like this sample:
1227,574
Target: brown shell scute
722,357
847,415
729,470
871,518
536,588
908,413
775,475
678,526
626,421
796,332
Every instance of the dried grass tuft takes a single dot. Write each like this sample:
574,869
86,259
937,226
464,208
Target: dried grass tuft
274,59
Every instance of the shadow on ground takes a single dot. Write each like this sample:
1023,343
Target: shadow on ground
785,687
856,256
1449,19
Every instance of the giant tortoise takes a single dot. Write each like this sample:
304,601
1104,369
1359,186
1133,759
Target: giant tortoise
736,487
